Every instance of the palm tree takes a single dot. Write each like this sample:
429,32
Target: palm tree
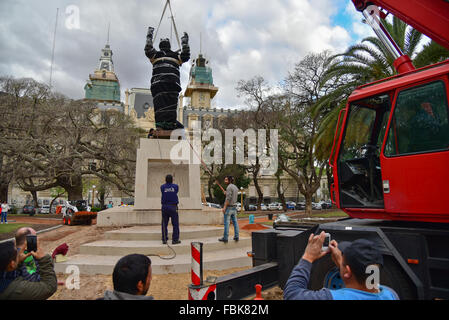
370,60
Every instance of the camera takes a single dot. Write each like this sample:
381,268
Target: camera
31,243
326,242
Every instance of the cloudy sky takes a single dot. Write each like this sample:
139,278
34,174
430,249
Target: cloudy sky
240,38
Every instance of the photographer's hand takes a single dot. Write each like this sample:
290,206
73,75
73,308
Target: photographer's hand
313,250
39,254
22,255
335,253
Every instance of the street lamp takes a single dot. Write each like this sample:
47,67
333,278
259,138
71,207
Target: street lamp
93,196
241,199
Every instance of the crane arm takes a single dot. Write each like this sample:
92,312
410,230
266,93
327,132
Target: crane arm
430,17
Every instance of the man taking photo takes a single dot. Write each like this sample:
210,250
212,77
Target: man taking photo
13,286
353,260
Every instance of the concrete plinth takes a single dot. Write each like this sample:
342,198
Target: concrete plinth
155,159
130,216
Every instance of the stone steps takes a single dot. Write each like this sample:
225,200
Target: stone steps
154,233
100,257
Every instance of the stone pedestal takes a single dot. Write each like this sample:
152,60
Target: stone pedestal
155,159
129,216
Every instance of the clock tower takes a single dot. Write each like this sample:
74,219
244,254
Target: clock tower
103,85
201,89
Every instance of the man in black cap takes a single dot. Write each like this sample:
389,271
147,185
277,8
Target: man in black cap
354,259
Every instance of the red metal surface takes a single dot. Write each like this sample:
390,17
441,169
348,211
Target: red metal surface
403,64
430,17
419,185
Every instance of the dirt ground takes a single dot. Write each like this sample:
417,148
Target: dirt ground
163,287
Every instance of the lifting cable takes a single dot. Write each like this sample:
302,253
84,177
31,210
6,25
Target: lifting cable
167,4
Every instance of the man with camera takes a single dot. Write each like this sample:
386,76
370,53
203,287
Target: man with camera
26,238
353,259
13,286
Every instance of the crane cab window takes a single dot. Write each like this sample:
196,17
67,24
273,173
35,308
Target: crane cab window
420,121
359,172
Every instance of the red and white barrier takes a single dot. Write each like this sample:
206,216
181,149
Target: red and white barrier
197,290
197,263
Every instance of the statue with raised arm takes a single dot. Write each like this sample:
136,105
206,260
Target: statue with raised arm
165,82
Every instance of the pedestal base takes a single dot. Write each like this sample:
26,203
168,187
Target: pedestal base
129,216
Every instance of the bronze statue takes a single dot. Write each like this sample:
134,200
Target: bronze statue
165,82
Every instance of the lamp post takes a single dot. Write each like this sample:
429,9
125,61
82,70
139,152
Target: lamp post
241,199
93,196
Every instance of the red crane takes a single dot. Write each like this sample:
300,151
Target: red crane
390,157
390,163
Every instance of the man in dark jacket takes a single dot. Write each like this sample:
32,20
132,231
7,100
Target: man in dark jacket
13,286
131,278
169,201
29,269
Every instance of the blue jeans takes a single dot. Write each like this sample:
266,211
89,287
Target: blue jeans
4,216
232,212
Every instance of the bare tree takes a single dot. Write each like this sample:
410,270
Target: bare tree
304,87
256,93
52,140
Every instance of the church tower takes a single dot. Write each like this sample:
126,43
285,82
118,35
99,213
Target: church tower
201,89
103,85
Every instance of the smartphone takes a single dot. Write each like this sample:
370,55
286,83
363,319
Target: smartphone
326,242
31,243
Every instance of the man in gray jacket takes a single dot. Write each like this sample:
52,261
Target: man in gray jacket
13,286
230,210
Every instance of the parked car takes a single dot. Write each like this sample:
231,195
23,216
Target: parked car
316,206
238,206
45,208
325,204
213,205
290,205
30,209
263,207
275,206
251,207
300,206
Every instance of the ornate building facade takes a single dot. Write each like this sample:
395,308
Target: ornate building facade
103,85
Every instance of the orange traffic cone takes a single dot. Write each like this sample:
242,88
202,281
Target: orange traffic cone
258,292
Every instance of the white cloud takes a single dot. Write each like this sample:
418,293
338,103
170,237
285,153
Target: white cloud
241,39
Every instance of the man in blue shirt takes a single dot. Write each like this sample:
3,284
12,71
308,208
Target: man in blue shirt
353,259
169,201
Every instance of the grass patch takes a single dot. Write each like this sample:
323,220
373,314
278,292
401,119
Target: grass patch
11,227
39,215
330,214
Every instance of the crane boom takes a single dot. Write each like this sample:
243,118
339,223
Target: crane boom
430,17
